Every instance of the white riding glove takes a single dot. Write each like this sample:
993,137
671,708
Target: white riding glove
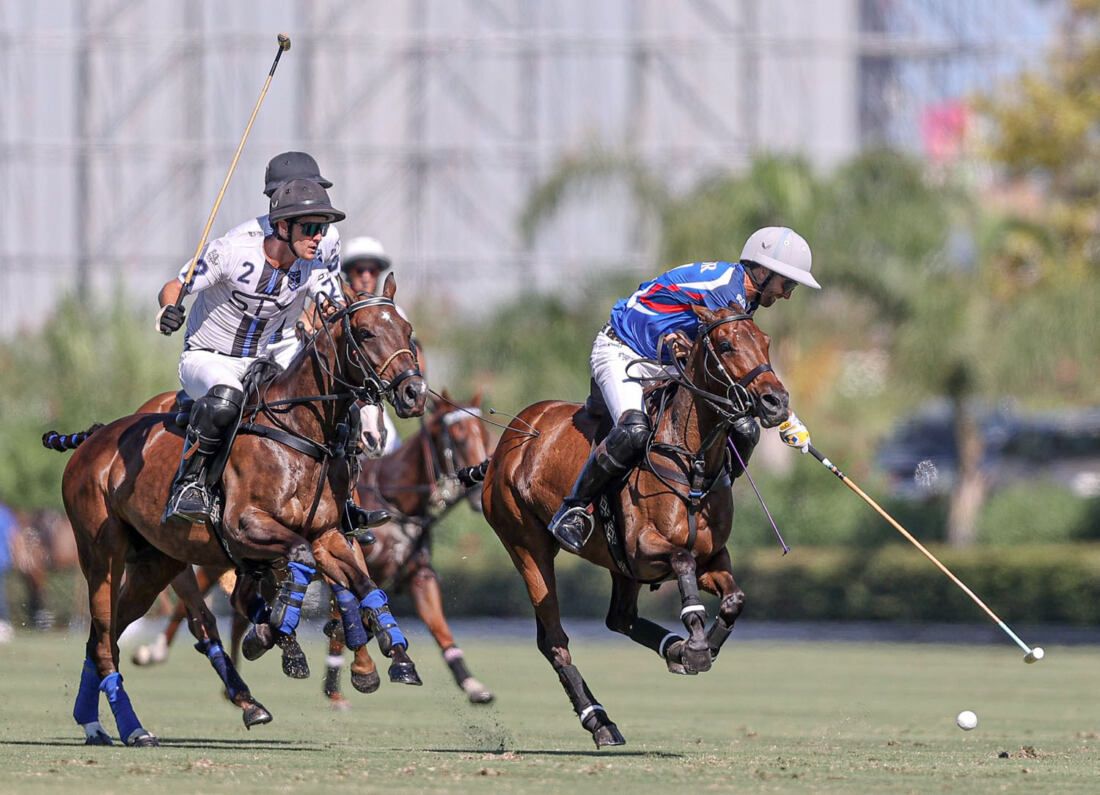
794,433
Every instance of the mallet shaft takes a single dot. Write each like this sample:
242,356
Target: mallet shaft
909,537
284,45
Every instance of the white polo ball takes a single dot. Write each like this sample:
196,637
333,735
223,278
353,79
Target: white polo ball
967,720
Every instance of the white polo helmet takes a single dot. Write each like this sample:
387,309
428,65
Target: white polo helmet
782,250
364,248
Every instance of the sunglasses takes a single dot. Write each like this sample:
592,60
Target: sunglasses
789,284
312,228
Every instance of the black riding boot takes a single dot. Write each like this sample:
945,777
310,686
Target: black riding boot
609,460
355,522
212,417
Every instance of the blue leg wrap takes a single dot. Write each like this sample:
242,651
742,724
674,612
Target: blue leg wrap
378,607
86,708
258,611
125,718
234,685
355,634
287,611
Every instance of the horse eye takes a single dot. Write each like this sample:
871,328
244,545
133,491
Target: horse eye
725,347
364,334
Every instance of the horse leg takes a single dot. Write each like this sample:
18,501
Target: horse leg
538,574
718,580
622,617
343,562
335,660
426,596
204,627
102,559
157,652
695,652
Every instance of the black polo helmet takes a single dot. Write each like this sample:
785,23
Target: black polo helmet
292,165
302,197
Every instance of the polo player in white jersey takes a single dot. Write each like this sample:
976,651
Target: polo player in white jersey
248,285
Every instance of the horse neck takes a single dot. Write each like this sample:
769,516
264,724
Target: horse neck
689,418
306,376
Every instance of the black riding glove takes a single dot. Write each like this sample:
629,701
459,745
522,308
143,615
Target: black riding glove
169,319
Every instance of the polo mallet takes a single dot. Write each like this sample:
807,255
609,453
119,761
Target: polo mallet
1031,655
284,45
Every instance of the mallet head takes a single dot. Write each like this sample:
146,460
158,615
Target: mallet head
284,41
1034,655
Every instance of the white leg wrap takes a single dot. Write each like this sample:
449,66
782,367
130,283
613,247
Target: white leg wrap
666,641
589,710
452,654
692,609
334,660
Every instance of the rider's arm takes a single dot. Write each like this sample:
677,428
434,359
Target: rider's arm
170,292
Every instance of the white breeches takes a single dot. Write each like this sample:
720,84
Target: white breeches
201,370
609,360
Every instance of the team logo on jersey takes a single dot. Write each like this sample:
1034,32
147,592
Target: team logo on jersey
294,279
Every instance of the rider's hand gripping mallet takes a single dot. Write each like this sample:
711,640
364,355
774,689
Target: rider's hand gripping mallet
284,45
1030,654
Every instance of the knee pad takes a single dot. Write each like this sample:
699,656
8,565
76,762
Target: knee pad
745,433
217,410
627,440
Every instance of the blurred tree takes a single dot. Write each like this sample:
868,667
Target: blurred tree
85,365
1045,132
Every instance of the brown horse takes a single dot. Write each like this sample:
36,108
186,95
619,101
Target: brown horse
671,518
43,544
417,485
284,486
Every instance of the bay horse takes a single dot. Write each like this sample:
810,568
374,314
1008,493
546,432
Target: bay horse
284,485
671,518
44,544
417,484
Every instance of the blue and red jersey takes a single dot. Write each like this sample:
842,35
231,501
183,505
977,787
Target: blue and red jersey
663,305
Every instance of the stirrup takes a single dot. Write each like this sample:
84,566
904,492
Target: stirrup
192,502
572,526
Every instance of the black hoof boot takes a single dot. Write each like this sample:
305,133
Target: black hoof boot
295,664
608,735
142,739
334,629
255,714
259,639
99,738
366,683
404,673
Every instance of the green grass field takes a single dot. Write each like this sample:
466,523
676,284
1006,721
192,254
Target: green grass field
770,717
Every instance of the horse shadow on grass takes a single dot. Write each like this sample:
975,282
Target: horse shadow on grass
547,752
196,743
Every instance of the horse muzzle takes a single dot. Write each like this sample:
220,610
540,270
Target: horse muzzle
772,407
410,397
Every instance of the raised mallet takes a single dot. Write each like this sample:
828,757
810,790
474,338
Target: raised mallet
284,45
1030,654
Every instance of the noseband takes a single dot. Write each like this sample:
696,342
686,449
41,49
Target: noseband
374,388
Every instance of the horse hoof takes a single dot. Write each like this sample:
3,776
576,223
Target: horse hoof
255,714
99,738
696,661
338,703
140,738
295,664
366,683
674,660
608,735
404,673
476,692
259,639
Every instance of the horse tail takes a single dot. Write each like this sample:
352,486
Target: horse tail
471,476
52,440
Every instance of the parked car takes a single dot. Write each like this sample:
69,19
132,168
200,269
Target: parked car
921,457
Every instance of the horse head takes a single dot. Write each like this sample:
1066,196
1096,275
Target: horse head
376,352
458,439
730,359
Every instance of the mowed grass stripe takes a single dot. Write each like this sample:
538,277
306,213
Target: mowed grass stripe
769,717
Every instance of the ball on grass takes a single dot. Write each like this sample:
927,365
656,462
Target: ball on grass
966,720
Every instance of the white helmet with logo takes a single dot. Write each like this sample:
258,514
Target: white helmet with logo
364,249
783,251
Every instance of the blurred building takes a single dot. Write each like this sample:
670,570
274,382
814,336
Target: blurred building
435,118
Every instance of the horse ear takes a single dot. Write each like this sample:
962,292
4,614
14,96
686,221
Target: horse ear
390,288
446,394
476,399
705,315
